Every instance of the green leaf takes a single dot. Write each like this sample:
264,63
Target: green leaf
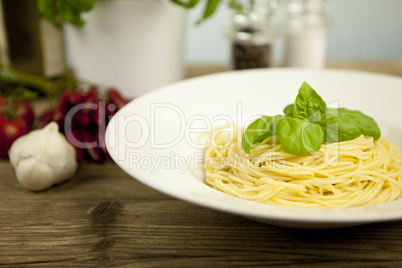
236,5
308,122
289,110
367,125
82,5
299,137
342,125
259,130
186,4
338,127
308,104
58,11
68,13
209,10
46,9
21,93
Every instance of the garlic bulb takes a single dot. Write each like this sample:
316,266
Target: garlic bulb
42,158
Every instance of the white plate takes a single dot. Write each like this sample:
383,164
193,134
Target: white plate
151,136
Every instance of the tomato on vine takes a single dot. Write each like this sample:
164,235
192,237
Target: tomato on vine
16,119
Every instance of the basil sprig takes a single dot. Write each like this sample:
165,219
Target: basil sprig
259,130
342,125
308,123
57,11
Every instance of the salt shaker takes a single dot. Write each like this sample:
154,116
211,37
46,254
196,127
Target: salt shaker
306,25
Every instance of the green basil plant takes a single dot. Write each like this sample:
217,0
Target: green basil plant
59,11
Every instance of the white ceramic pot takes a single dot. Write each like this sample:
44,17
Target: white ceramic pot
133,45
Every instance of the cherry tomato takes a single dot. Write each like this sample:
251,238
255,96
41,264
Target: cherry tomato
15,121
10,130
22,109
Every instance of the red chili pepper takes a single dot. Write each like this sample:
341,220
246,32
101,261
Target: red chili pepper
92,92
106,152
61,108
96,117
82,119
111,109
76,97
99,116
115,96
102,144
102,130
91,103
80,156
73,136
93,151
45,119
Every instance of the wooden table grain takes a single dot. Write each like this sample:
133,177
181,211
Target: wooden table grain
104,218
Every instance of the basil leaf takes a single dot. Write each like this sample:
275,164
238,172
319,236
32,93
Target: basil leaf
367,125
342,125
299,137
289,110
69,14
58,11
82,5
338,127
236,5
259,130
186,4
46,10
209,10
308,104
308,122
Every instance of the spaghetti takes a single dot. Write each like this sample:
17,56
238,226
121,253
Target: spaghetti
352,173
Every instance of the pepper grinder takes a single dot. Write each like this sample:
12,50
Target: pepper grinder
252,33
306,24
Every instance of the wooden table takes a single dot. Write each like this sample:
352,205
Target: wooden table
103,217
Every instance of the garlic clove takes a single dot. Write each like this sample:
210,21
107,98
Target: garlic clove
59,153
34,176
51,151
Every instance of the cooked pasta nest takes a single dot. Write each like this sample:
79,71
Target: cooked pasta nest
352,173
